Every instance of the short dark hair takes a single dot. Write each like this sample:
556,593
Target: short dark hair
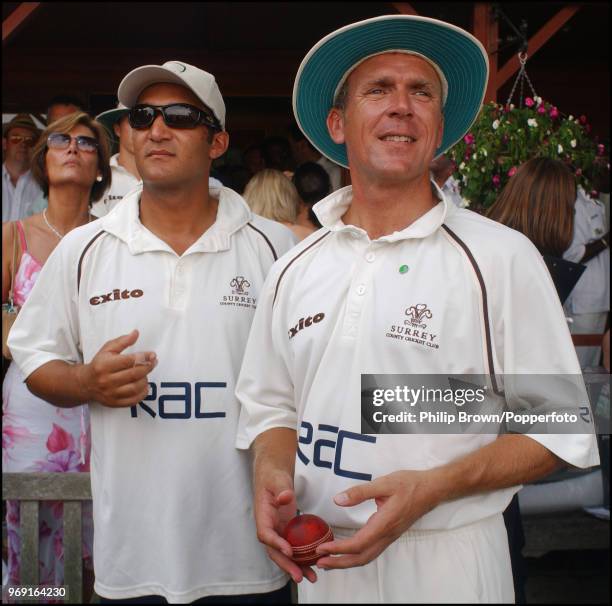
65,125
312,183
66,100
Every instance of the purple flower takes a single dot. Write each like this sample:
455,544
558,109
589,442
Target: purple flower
601,149
64,460
529,102
496,180
469,139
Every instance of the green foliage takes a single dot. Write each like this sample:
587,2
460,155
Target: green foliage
503,137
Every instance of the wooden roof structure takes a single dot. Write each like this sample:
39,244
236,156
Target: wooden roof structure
255,48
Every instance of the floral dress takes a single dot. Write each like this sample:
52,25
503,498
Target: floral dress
37,436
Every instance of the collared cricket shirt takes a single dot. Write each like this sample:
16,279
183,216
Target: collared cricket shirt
453,293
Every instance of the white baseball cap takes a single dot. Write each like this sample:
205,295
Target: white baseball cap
202,84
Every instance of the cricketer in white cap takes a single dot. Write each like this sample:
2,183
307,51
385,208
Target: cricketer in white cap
144,314
398,281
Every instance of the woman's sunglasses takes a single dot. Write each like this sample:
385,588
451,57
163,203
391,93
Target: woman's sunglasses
62,141
175,115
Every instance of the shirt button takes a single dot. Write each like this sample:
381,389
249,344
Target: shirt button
370,257
361,289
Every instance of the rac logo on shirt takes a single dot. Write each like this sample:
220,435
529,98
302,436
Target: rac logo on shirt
305,323
116,295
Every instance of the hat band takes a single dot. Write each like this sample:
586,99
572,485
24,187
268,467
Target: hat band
438,71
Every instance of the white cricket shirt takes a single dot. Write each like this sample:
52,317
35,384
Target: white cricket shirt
327,314
592,291
172,496
122,183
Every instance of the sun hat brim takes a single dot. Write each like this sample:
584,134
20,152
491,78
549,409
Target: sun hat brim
459,55
111,117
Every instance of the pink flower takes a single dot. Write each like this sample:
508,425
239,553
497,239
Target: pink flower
11,434
587,128
469,139
529,102
59,439
512,171
582,119
578,172
554,113
496,180
541,109
594,194
601,149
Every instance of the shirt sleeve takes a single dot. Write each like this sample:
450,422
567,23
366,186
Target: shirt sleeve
46,327
538,351
581,235
265,387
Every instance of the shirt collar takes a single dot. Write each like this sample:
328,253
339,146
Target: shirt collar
330,210
123,222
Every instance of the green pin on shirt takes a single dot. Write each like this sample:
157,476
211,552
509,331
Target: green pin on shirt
404,269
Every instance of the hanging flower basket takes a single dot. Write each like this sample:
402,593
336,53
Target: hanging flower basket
505,136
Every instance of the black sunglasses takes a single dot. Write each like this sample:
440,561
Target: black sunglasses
62,141
175,115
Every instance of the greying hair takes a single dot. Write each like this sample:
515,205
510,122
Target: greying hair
340,99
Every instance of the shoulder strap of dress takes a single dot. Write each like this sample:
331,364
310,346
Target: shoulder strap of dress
22,238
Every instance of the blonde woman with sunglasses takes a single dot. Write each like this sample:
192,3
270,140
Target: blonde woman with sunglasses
70,162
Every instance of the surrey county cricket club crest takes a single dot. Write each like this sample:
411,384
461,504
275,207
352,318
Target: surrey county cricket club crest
240,296
415,327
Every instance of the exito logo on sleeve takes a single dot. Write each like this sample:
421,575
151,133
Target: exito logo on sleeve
241,296
116,295
415,328
305,323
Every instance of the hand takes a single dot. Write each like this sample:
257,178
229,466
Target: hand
274,506
401,498
115,379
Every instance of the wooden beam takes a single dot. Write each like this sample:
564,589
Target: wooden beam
537,41
486,29
404,8
584,340
16,19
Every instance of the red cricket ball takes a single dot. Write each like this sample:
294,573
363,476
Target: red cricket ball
305,533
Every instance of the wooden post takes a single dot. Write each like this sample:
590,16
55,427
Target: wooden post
404,8
16,19
486,29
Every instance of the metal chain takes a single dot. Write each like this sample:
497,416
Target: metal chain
521,77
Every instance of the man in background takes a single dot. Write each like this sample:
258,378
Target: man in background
303,151
19,189
123,164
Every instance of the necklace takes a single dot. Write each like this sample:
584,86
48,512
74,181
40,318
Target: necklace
57,233
60,236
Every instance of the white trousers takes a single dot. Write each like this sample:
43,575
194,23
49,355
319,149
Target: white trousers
466,564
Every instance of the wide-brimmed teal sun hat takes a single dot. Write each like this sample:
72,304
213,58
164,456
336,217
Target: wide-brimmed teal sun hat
459,56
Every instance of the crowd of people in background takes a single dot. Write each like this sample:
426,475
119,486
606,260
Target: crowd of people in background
281,179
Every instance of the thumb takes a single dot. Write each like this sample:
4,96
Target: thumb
120,343
355,495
